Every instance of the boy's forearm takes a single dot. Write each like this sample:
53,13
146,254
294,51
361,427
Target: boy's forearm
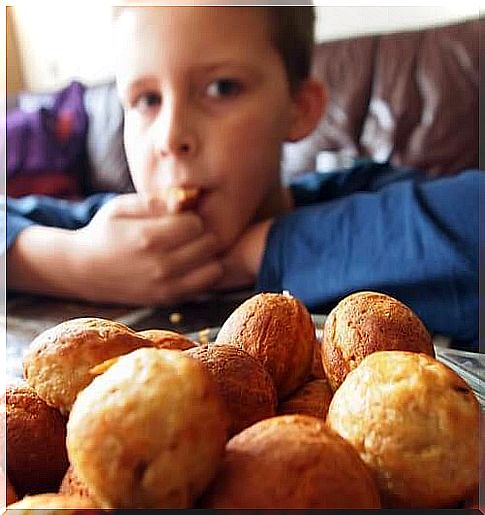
45,260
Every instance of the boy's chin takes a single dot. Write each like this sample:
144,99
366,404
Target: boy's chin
228,234
228,225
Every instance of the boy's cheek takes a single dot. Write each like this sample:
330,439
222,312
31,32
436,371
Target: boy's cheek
268,121
129,139
138,155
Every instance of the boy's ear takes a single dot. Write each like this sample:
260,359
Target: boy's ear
309,103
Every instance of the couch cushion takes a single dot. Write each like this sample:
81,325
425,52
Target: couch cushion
407,97
46,146
423,110
108,167
345,67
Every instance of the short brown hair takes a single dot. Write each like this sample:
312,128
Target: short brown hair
293,35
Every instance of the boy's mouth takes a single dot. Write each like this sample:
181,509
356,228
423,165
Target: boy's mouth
180,198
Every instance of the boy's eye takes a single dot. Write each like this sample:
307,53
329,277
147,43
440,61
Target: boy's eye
147,101
223,88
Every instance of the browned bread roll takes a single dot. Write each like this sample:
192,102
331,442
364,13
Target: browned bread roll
415,423
53,504
473,502
35,443
317,371
72,485
164,339
58,361
313,399
277,330
10,493
149,432
367,322
473,499
292,462
243,382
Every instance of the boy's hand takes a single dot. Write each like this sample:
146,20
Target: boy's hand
241,263
134,251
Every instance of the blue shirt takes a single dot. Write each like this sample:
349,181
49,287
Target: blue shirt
373,227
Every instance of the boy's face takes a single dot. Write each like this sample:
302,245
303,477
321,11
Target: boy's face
207,105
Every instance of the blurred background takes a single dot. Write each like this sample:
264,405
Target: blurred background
393,75
49,44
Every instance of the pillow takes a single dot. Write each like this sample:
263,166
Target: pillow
45,153
108,167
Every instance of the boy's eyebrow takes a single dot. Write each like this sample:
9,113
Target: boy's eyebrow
133,87
151,80
226,63
142,82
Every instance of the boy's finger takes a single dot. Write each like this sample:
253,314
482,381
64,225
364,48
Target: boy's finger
163,202
155,204
135,205
195,254
197,281
167,233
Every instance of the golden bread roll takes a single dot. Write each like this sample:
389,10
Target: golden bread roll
53,504
292,462
278,331
313,399
415,423
149,432
245,385
367,322
58,361
164,339
35,442
473,499
72,485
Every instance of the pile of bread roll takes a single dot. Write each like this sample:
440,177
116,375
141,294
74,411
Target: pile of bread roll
266,416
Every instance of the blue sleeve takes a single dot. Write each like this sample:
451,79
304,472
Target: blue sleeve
365,175
416,241
41,210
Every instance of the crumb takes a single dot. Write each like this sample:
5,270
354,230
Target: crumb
175,318
204,336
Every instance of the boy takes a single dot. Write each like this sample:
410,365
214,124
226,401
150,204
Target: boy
210,95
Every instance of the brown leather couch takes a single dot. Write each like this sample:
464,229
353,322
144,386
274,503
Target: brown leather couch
410,97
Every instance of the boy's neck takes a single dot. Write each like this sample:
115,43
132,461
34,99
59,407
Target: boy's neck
277,203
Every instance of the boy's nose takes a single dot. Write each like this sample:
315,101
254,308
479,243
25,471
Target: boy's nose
176,134
183,145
